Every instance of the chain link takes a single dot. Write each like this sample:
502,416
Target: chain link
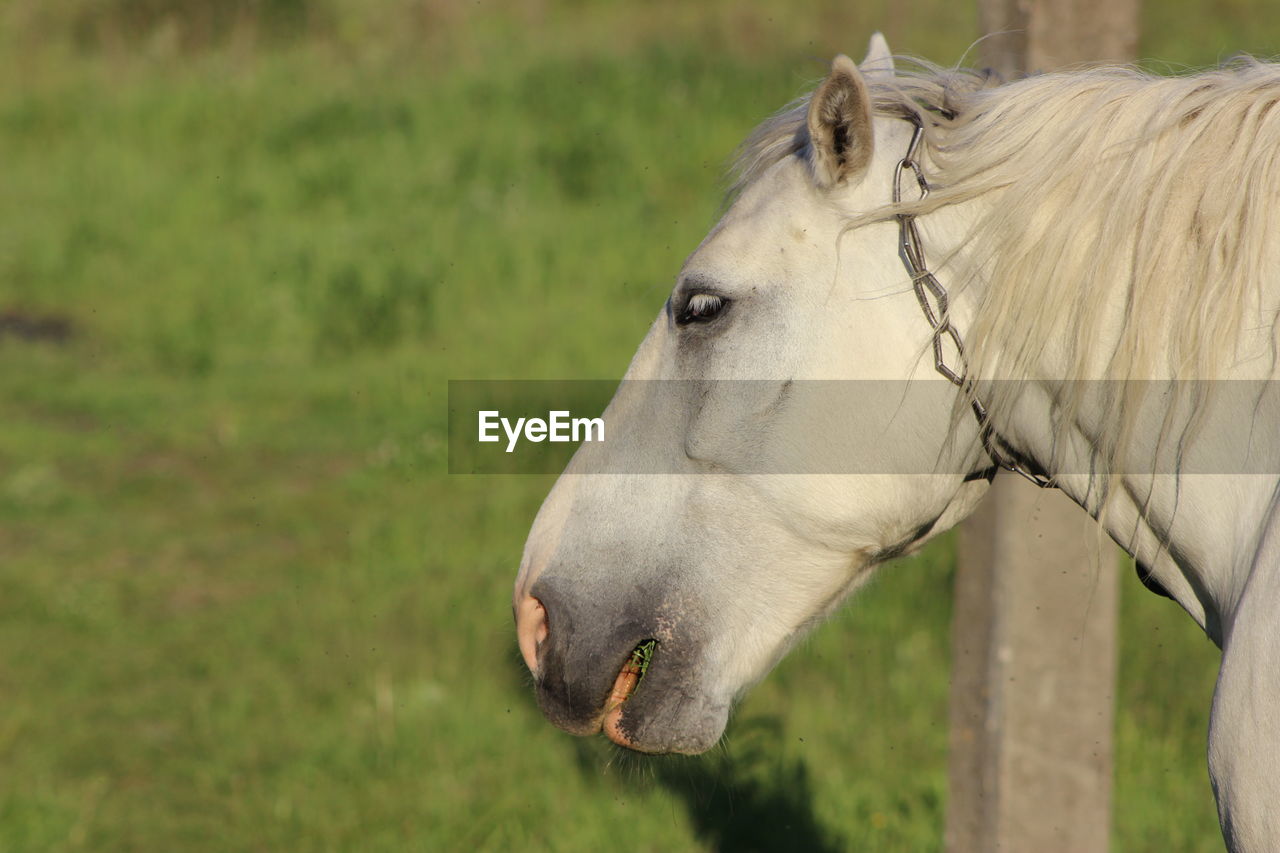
926,285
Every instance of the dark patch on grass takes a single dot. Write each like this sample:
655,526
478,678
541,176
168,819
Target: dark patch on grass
359,310
31,328
197,23
339,120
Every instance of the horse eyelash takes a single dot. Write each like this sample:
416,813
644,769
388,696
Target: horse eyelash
701,308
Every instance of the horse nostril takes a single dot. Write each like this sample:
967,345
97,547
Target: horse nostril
531,630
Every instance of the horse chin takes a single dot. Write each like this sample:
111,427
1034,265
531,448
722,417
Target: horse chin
632,729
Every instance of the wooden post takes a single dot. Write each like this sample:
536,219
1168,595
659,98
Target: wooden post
1033,674
1034,634
1023,36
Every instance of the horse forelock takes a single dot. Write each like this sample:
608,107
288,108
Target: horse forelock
1103,185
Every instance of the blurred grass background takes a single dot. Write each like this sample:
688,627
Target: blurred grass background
243,245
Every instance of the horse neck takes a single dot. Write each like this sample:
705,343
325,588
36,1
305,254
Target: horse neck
1080,275
1200,534
1196,515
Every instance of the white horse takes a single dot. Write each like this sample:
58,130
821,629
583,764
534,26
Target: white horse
1100,225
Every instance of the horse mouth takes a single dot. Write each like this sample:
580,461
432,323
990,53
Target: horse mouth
628,680
650,696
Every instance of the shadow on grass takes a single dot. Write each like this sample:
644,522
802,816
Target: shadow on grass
743,796
746,797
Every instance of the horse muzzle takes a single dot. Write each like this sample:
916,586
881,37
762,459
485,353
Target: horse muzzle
623,667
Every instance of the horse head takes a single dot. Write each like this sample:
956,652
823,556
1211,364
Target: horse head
718,520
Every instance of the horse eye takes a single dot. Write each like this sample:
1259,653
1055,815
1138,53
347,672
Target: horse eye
700,308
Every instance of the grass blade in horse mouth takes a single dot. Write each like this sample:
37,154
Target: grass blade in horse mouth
631,674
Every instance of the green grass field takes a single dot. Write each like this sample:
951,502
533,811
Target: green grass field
242,605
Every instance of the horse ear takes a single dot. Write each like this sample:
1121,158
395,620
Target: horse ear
840,125
879,61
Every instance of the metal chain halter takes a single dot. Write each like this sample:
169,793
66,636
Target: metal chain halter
928,290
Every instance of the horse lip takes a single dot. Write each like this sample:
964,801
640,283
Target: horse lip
574,694
611,725
624,686
609,713
669,713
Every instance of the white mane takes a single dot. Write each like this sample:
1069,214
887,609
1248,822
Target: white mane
1107,181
